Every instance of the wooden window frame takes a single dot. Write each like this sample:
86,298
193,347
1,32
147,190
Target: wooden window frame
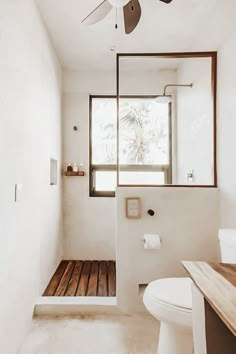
167,169
184,55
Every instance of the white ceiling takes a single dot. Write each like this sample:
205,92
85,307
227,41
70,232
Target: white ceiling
183,25
151,64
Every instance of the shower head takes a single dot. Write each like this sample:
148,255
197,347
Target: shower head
164,98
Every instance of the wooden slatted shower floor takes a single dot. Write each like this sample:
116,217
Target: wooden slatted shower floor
83,278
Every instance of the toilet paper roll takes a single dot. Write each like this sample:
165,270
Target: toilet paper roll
152,242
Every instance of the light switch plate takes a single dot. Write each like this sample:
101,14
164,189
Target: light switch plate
18,192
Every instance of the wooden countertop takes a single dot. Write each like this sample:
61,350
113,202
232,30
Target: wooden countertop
217,282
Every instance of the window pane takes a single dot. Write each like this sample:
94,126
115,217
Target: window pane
144,142
142,178
105,181
104,131
144,132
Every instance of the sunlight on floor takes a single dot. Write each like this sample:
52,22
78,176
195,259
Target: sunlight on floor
120,334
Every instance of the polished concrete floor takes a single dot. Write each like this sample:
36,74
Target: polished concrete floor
116,334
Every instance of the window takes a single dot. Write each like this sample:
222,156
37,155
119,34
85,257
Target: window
103,146
144,143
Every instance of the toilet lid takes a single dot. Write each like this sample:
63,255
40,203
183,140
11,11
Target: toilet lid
173,291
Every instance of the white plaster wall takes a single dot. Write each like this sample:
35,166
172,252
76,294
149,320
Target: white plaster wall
195,122
90,223
30,133
227,132
187,222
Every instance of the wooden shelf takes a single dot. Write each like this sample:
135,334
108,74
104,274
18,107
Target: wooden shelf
75,174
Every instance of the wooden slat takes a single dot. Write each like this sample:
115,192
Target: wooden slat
83,283
61,289
83,278
111,278
54,282
102,279
93,280
74,281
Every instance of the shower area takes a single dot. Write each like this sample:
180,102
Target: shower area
154,139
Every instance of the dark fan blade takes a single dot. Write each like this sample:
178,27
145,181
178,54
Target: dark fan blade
98,14
166,1
132,14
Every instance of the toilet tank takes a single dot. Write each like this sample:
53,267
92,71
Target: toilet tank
227,239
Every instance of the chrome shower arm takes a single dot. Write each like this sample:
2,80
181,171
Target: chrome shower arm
176,85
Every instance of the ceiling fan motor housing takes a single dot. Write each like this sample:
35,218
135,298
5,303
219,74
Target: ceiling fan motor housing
118,3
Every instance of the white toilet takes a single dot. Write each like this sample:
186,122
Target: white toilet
170,301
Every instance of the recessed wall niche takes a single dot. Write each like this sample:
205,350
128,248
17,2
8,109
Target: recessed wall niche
53,172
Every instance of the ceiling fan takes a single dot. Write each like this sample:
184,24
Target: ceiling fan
131,10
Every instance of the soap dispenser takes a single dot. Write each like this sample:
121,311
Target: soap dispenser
75,168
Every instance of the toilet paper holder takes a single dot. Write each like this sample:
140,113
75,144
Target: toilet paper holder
152,242
143,240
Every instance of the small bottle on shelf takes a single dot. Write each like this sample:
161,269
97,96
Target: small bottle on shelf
69,168
75,168
81,169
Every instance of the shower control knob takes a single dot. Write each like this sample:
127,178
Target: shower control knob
151,212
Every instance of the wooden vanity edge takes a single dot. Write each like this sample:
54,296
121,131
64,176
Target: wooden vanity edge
196,274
